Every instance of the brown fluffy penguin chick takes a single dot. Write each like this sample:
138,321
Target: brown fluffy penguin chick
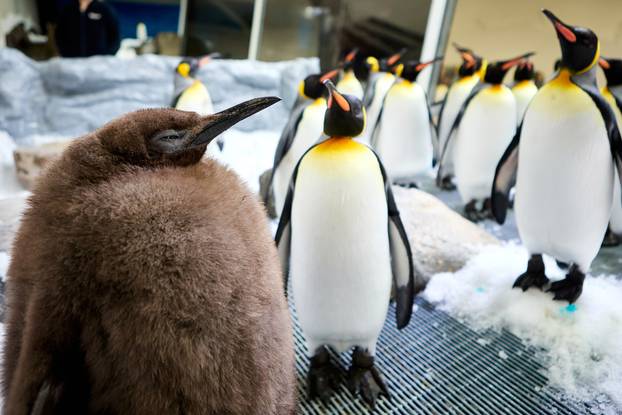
144,281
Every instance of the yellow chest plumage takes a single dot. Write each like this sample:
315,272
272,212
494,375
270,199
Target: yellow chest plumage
339,157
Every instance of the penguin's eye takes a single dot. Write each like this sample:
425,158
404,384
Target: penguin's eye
166,135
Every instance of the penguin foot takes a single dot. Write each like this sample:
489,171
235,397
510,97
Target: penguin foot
570,288
447,183
611,239
534,276
471,212
486,210
323,376
562,264
364,379
408,185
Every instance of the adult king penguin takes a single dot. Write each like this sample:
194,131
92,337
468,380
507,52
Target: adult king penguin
342,242
190,94
482,130
144,281
612,93
469,74
380,81
303,129
562,160
349,84
524,87
405,132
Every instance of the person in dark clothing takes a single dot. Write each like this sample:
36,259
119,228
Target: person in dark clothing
87,28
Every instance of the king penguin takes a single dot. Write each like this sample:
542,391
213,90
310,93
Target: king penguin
380,81
612,93
524,87
562,158
342,242
145,280
190,94
482,129
469,74
349,84
303,129
405,132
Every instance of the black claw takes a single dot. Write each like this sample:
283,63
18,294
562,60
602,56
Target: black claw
364,379
570,288
534,276
471,212
323,376
447,183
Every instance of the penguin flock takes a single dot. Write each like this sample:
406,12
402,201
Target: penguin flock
144,278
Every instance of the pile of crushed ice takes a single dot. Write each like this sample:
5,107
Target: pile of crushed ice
581,344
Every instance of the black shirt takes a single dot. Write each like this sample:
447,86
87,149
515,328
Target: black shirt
94,32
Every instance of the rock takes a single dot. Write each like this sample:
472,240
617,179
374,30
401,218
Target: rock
441,239
30,161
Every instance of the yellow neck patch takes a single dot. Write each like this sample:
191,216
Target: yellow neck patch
335,145
562,80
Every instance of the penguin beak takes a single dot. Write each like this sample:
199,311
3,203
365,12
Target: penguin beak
604,63
350,56
213,125
423,65
512,62
392,60
336,97
329,75
562,29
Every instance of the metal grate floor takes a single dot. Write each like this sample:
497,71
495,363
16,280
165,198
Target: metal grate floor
439,366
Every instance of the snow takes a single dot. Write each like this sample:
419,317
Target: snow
4,264
581,344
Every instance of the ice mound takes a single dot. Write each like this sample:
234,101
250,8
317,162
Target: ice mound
581,343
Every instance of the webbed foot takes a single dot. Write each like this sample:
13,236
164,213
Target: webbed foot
534,276
571,287
364,379
323,376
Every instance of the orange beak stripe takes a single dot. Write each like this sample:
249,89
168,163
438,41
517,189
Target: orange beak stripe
470,61
351,56
341,101
565,32
329,75
394,58
511,63
603,63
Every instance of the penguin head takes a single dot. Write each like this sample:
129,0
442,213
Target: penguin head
386,64
580,47
348,61
411,69
156,137
312,86
495,72
524,71
612,69
188,67
345,115
471,63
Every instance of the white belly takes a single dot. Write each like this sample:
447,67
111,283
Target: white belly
523,93
404,140
486,130
382,86
308,133
564,183
340,261
616,210
456,96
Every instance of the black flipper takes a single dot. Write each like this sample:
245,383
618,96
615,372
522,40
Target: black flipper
402,263
505,178
611,125
433,127
476,90
286,140
370,91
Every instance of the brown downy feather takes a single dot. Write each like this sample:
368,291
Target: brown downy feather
145,283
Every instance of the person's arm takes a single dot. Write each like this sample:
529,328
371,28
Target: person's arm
112,30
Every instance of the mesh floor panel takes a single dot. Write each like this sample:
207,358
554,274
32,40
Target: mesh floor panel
437,365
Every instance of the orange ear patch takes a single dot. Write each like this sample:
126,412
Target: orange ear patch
565,32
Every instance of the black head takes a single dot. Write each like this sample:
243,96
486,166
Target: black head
495,72
524,71
612,69
411,69
190,66
171,137
345,116
580,48
312,86
471,62
348,60
386,64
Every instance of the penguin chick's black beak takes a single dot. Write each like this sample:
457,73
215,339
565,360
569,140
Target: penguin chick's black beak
215,124
561,28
